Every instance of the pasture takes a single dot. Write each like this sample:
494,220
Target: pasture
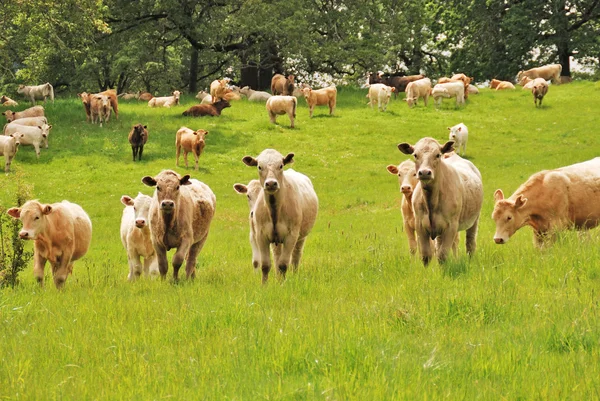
361,319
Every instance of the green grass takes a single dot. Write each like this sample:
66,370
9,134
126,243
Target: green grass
361,320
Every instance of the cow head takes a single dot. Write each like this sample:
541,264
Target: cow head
454,132
17,136
428,156
306,91
141,208
270,168
21,89
407,176
3,99
509,215
199,140
251,190
167,184
45,128
33,216
222,104
10,116
176,95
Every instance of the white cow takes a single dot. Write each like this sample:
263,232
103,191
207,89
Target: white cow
460,135
32,136
420,88
165,101
255,96
29,121
37,92
449,90
381,94
9,145
251,191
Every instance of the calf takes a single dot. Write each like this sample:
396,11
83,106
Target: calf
99,108
279,105
547,72
190,141
381,94
526,82
550,201
165,101
217,89
449,90
138,136
35,111
135,236
418,89
37,92
32,136
61,233
231,95
180,215
8,102
446,200
251,191
539,88
285,211
85,100
460,135
255,96
212,110
407,178
9,145
281,85
320,97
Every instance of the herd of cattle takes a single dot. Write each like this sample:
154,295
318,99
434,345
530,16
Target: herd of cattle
442,193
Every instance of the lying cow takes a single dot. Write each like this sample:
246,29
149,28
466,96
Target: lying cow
180,215
420,88
407,178
473,89
145,96
201,110
135,236
460,135
35,111
251,191
550,201
255,96
32,136
320,97
381,94
138,136
539,88
8,102
449,90
190,141
447,199
547,72
281,85
61,233
37,92
279,105
501,85
165,101
9,145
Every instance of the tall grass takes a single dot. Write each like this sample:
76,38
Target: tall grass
362,319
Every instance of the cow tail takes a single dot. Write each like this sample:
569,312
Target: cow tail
51,92
295,103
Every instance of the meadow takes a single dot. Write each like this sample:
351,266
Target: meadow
361,319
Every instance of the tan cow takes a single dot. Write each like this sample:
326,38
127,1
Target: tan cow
190,141
28,121
129,96
547,72
165,101
37,92
135,236
217,89
61,233
31,136
281,85
279,105
539,88
418,89
99,108
231,95
381,94
473,89
465,80
8,102
320,97
446,200
251,191
180,216
407,178
35,111
145,96
550,201
501,85
114,101
9,145
526,82
285,211
449,90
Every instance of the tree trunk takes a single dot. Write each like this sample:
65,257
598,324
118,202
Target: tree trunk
249,76
564,58
194,71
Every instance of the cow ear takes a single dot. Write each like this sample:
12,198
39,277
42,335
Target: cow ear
126,200
392,169
145,126
288,159
520,202
449,128
14,212
49,127
185,180
240,188
47,209
498,195
406,148
448,147
151,182
205,133
250,161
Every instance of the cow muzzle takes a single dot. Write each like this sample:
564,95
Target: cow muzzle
406,189
167,206
24,235
425,175
271,186
140,223
500,240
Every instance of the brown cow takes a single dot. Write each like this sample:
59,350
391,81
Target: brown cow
212,110
190,141
61,232
138,136
35,111
281,85
180,216
320,97
145,96
549,201
407,178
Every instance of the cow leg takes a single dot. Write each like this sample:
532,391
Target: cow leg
286,254
412,241
151,265
39,262
297,254
196,159
163,263
255,252
425,248
272,117
140,151
135,265
471,239
181,253
36,146
134,151
265,259
190,263
455,245
277,249
445,243
7,160
310,111
292,120
185,154
62,268
425,100
177,153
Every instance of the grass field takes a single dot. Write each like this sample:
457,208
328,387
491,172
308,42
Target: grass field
361,319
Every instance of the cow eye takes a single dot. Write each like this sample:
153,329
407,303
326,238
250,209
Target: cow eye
280,167
37,217
177,187
416,156
135,209
259,168
439,155
157,188
508,218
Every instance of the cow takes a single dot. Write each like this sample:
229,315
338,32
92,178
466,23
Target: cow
129,96
460,135
165,101
547,72
85,100
200,110
407,178
204,97
231,95
255,96
251,191
539,88
381,94
446,200
114,101
9,145
550,201
279,105
35,111
190,141
281,85
284,213
320,97
400,83
180,215
32,136
526,82
61,234
473,89
217,89
135,236
420,88
145,96
449,90
465,80
138,136
99,108
8,102
37,92
28,121
501,85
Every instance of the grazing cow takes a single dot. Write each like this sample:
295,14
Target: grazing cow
190,141
400,83
255,96
37,92
99,108
9,145
446,200
8,102
212,110
32,136
460,135
279,105
473,89
281,85
501,85
145,96
61,233
180,216
449,90
135,236
539,88
165,101
35,111
381,94
138,136
550,201
284,213
251,191
420,88
547,72
28,121
217,89
564,79
407,178
320,97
